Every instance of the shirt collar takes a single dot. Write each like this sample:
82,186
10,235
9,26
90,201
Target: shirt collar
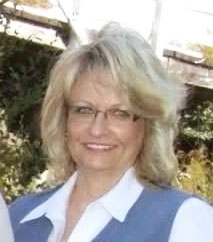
48,208
127,190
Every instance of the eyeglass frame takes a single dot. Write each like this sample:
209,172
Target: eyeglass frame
133,117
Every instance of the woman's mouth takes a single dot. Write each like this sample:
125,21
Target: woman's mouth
98,147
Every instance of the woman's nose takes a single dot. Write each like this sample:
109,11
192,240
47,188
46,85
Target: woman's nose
98,125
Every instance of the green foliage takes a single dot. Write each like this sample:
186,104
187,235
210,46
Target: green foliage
23,80
196,126
196,172
207,52
24,68
22,163
195,149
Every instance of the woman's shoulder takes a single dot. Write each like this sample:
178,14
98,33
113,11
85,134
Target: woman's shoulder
193,221
165,193
34,198
24,204
171,200
195,207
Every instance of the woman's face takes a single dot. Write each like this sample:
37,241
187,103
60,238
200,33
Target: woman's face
101,143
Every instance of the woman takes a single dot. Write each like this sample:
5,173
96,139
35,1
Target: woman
6,234
108,122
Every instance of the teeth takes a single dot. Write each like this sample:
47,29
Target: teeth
98,147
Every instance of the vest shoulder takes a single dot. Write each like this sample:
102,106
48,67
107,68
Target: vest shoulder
24,204
150,218
162,197
167,192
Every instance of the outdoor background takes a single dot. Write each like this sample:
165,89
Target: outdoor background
34,33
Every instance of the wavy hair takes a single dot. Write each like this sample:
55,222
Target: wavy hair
127,60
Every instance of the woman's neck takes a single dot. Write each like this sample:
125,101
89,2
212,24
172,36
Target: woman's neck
92,185
89,187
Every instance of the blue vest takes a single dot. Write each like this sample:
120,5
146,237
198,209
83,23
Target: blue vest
149,220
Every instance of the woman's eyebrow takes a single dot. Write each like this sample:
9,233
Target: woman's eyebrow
81,102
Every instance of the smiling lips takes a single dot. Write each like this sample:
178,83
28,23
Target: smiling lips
98,147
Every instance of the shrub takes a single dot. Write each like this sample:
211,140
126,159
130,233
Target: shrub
196,126
22,163
24,68
196,172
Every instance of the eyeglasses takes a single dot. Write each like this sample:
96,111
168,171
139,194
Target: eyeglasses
114,115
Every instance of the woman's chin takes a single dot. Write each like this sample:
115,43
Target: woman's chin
96,165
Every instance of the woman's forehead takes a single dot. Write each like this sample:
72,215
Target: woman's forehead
101,84
102,75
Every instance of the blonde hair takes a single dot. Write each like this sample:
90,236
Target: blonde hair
128,60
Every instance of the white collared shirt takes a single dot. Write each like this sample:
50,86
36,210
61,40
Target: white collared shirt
189,224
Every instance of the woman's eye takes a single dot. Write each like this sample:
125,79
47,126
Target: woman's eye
82,110
120,113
